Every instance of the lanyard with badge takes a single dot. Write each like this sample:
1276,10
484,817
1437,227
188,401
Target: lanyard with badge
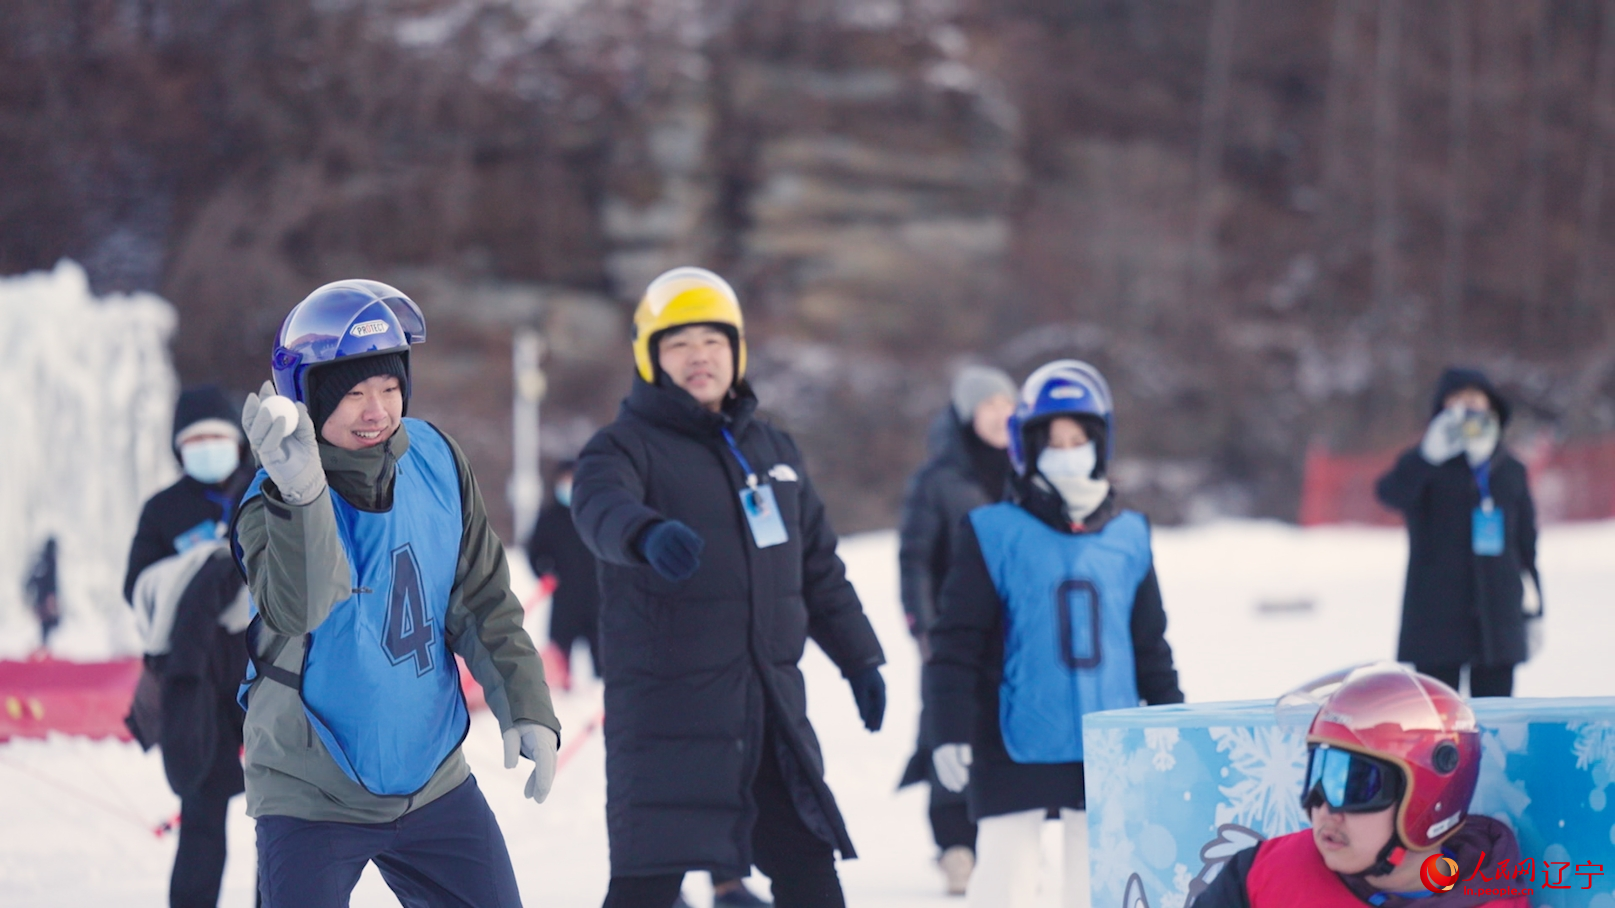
1486,523
757,502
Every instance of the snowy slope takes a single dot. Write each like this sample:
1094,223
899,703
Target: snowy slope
86,844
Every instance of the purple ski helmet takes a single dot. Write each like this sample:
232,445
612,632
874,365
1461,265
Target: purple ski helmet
352,318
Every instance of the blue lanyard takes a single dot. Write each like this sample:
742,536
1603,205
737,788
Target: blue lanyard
751,476
224,501
1483,481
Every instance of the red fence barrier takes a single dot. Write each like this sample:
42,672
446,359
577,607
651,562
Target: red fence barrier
1570,481
74,698
42,694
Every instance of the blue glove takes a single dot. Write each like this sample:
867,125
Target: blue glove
869,692
673,549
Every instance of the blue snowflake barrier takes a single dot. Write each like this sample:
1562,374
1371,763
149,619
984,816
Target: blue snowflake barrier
1174,791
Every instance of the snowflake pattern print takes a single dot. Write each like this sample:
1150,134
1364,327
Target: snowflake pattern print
1266,767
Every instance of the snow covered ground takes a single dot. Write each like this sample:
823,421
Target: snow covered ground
1254,609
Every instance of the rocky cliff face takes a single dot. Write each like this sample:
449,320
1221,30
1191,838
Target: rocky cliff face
1270,222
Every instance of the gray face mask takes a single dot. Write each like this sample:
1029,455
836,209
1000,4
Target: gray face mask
211,460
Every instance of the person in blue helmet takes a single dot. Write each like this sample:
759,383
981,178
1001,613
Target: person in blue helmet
371,564
1050,610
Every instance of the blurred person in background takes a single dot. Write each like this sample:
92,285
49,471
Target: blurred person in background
566,567
717,565
191,610
967,468
1010,678
366,545
41,589
1473,597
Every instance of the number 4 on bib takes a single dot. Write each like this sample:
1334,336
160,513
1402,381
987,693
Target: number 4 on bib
409,630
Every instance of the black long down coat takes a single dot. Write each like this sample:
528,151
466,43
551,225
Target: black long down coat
555,548
691,668
966,668
962,474
1459,607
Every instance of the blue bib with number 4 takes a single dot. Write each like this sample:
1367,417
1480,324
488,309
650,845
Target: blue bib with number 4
380,687
1486,529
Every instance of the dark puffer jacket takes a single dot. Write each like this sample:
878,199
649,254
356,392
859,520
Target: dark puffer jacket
555,548
963,473
1459,607
691,667
966,667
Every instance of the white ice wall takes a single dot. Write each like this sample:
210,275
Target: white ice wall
86,401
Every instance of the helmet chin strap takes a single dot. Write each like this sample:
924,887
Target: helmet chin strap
1390,858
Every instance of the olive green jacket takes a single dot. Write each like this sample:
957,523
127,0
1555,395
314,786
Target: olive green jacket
297,571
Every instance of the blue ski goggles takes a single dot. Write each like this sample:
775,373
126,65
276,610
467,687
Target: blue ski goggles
1349,782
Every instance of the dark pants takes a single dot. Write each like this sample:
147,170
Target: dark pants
800,865
1484,680
448,854
951,825
199,860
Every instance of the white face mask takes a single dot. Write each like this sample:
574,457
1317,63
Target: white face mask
211,460
1068,463
1070,471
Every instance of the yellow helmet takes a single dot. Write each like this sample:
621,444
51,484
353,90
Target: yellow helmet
686,296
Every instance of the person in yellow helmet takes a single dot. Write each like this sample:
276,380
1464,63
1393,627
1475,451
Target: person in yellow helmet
717,565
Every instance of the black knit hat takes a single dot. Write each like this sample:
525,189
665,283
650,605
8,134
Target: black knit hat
329,383
203,403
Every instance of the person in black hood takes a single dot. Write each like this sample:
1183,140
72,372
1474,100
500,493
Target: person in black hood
968,467
717,565
209,446
193,614
561,561
1471,541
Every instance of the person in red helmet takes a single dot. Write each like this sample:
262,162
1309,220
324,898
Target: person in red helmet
1392,761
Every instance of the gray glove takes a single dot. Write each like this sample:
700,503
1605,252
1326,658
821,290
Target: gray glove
1444,439
539,744
952,764
282,438
1532,606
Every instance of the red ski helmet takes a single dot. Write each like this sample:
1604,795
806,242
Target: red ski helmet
1421,726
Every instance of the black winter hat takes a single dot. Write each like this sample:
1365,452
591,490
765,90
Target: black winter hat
200,403
331,382
1457,378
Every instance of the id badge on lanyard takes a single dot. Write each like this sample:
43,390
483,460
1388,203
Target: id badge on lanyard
757,502
1486,521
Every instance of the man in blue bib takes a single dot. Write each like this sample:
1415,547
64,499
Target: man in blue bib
371,564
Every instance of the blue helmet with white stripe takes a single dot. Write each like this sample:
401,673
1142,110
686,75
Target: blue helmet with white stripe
352,318
1065,387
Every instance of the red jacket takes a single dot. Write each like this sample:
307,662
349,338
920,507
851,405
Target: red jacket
1288,871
